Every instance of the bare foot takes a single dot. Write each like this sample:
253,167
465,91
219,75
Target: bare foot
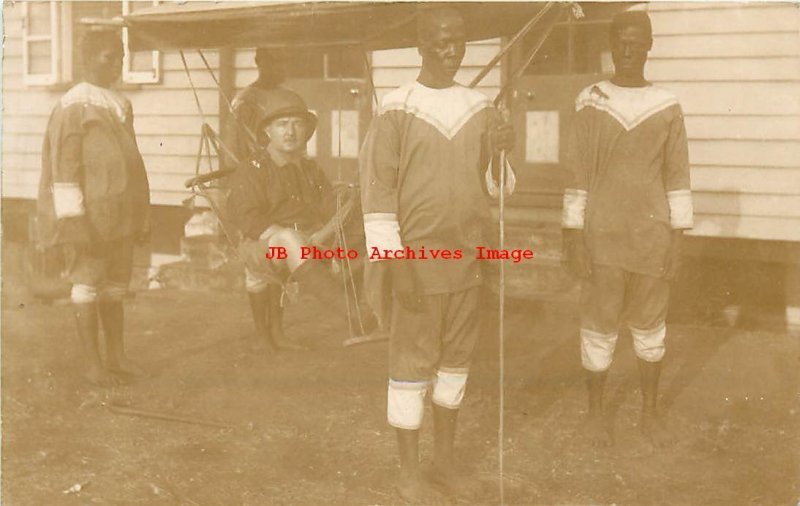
128,369
258,344
281,343
414,490
597,432
654,429
454,483
102,378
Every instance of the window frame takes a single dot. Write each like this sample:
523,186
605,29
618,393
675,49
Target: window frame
54,37
130,76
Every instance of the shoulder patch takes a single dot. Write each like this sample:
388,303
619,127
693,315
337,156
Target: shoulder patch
628,106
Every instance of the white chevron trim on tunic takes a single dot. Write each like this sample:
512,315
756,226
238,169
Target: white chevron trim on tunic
629,106
447,110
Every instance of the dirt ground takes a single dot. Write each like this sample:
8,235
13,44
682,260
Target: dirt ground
309,428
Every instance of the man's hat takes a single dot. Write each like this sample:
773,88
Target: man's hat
282,103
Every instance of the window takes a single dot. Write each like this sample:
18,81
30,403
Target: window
52,31
40,43
139,66
574,47
344,63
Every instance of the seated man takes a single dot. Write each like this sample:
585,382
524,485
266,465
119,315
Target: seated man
281,200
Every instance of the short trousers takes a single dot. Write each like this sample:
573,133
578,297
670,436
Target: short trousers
612,295
102,270
435,344
443,335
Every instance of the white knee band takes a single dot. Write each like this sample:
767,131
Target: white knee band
448,391
254,283
597,350
83,294
406,403
649,344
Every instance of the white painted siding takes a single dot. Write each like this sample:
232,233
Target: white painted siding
736,70
166,119
395,67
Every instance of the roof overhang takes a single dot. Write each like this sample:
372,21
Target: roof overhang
371,25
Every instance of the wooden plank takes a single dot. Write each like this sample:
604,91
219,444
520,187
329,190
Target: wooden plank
746,180
144,124
20,191
743,127
170,164
747,227
36,101
171,60
727,69
13,162
156,124
746,204
738,19
726,45
176,79
745,153
655,7
181,102
737,98
160,144
168,198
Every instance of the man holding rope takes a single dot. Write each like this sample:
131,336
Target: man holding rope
624,215
422,167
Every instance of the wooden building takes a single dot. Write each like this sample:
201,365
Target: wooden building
734,66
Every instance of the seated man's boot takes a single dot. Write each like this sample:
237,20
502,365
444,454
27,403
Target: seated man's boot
259,307
277,338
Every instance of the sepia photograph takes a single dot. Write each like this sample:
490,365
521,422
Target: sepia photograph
400,253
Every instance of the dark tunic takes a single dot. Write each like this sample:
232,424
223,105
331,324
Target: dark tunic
93,186
265,194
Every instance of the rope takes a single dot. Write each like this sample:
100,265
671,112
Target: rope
511,43
501,330
229,103
191,84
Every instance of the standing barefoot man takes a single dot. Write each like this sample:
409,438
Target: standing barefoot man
94,197
421,181
624,216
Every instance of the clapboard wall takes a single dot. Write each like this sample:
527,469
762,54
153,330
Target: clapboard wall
736,70
166,119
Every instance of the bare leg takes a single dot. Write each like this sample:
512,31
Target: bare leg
88,331
596,426
651,423
410,484
444,471
259,307
112,316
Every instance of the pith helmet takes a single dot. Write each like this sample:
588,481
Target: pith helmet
282,103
